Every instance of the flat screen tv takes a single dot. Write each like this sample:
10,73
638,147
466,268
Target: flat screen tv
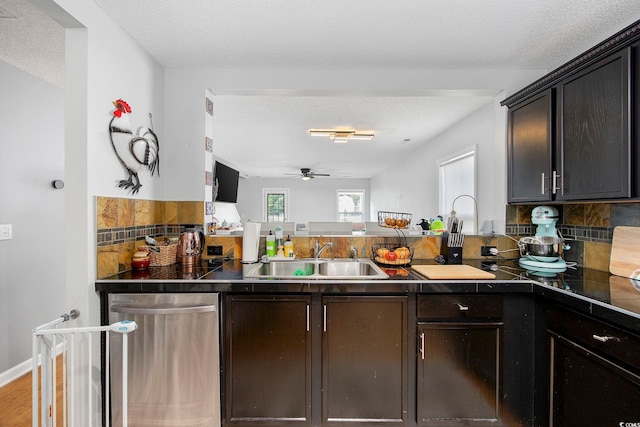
227,179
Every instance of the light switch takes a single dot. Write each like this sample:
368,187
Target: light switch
6,232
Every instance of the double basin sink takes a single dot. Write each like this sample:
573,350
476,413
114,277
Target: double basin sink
330,269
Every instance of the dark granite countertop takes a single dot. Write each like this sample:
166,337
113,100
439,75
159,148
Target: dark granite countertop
599,293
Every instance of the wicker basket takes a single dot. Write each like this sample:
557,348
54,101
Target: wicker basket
166,256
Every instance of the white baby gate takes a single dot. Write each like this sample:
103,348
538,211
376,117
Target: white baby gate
50,342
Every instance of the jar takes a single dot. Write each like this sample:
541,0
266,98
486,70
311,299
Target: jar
141,259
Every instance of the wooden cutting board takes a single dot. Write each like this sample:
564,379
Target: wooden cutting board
446,272
625,252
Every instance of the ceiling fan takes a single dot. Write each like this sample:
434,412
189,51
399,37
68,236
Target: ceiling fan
306,174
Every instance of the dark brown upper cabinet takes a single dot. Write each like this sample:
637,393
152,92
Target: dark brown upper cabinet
571,134
593,150
529,149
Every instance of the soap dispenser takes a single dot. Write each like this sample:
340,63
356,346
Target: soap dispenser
271,244
288,248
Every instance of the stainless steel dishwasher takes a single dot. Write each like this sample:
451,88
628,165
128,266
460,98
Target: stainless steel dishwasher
174,366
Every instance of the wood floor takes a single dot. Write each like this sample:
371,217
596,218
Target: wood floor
15,400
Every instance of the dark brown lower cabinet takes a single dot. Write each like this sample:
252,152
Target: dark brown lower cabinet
268,360
589,390
459,360
364,360
459,374
594,372
302,360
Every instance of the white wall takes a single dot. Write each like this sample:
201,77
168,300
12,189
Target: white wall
32,280
46,134
313,200
103,64
419,193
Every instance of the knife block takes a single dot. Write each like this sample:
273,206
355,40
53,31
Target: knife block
451,254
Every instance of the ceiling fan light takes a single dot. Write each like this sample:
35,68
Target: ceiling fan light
362,136
341,136
320,132
306,177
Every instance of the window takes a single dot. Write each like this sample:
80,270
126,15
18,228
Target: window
275,204
350,205
457,176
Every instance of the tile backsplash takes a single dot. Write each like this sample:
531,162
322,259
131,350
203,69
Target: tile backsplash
122,225
588,228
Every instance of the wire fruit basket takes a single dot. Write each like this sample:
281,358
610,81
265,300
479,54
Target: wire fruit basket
394,219
381,254
397,254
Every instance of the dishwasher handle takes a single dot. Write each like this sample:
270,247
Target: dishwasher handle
131,309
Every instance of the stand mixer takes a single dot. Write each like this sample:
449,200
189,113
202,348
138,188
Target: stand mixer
543,252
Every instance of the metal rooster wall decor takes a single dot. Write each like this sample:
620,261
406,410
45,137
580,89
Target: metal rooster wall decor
133,150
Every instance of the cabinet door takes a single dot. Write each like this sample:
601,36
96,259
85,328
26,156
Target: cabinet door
529,150
364,360
268,365
594,138
459,374
589,390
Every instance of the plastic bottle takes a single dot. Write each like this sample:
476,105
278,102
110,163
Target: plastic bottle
271,244
279,241
288,248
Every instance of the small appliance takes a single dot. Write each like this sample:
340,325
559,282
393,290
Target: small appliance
190,247
543,252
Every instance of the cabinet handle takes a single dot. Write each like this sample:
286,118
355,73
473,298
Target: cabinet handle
462,307
605,338
554,183
422,345
307,317
542,184
324,318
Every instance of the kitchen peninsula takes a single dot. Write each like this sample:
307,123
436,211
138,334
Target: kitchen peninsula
521,349
323,352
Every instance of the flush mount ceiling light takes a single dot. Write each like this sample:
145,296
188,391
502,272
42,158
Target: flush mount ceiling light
341,136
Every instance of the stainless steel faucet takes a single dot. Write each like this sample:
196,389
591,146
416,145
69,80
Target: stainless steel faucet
354,250
317,249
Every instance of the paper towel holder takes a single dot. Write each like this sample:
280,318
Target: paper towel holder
251,231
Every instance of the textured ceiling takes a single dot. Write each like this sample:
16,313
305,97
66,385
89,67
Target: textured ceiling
271,138
330,34
369,33
266,135
31,41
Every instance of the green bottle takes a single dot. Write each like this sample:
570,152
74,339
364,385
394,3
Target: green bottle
271,244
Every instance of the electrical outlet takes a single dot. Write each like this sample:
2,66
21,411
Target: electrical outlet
6,232
214,250
486,250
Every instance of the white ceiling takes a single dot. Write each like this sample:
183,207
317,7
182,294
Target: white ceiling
354,34
369,33
267,135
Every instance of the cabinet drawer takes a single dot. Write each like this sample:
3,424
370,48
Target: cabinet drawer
463,307
617,343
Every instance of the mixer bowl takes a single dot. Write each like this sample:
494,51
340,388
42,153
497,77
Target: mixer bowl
541,248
